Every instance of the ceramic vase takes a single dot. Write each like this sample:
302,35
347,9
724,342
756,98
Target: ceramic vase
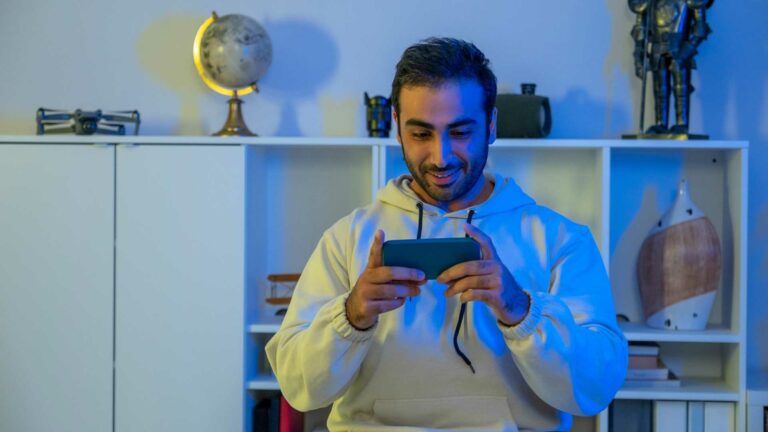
678,268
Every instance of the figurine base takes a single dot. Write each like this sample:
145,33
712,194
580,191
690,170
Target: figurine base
666,136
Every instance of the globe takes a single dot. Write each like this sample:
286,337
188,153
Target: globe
231,54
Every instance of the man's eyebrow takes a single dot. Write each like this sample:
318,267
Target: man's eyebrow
462,122
455,124
419,123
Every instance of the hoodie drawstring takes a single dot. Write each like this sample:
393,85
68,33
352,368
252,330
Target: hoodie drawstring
463,309
421,214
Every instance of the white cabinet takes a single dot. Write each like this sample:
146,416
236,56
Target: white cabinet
129,255
200,222
56,296
179,288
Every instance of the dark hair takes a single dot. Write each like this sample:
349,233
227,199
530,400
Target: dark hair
434,61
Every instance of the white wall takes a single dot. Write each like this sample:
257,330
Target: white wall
137,55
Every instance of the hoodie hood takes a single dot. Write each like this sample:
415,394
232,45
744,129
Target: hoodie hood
506,196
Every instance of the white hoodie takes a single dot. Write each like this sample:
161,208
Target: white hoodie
566,357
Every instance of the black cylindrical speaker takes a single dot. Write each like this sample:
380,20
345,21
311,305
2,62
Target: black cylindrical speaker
523,115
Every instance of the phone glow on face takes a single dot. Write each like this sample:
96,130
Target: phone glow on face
445,135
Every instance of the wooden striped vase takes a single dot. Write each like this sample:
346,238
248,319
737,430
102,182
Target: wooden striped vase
678,268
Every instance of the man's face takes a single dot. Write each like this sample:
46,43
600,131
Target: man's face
444,135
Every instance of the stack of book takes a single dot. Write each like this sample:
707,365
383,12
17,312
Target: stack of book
646,369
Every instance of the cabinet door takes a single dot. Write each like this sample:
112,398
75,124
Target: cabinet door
56,287
179,296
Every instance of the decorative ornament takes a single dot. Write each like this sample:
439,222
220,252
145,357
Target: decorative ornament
231,54
378,115
678,268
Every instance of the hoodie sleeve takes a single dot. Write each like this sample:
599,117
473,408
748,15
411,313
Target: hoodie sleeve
569,348
316,353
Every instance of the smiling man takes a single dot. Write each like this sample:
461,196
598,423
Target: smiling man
521,339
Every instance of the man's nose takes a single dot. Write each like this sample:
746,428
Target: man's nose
442,152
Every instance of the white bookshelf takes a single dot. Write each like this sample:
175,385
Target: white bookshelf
593,182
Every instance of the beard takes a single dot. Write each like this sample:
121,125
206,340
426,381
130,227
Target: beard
466,181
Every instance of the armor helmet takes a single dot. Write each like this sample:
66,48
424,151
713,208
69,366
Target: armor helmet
638,6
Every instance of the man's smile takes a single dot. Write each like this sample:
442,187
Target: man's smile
444,178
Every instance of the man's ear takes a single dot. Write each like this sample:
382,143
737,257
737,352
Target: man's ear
397,125
492,126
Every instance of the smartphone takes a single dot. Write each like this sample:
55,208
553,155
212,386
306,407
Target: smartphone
432,256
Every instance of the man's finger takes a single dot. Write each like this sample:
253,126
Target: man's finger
486,244
384,275
392,291
469,268
481,282
382,306
374,256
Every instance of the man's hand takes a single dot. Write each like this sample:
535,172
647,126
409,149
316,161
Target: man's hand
487,280
380,289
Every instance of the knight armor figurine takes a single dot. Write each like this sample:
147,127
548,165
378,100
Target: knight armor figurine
667,34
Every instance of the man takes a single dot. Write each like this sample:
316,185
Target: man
540,341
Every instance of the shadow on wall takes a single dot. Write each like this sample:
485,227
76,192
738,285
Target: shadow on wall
731,86
305,57
164,51
18,125
577,115
733,91
618,71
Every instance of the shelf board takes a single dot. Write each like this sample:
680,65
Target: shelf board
263,383
263,328
364,141
702,389
716,334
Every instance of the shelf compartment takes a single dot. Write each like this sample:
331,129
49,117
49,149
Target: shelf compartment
644,183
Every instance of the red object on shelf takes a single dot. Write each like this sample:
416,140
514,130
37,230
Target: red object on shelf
291,419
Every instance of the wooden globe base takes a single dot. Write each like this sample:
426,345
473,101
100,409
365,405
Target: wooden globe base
235,125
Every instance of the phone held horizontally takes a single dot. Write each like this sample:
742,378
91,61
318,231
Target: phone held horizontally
432,256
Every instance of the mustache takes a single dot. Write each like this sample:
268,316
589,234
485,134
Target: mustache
425,169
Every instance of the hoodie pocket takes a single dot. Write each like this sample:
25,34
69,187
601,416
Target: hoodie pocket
468,413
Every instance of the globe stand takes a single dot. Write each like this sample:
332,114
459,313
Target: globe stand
235,125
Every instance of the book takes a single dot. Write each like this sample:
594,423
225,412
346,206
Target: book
266,414
291,419
644,349
719,417
659,371
638,361
670,416
695,416
671,381
630,416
